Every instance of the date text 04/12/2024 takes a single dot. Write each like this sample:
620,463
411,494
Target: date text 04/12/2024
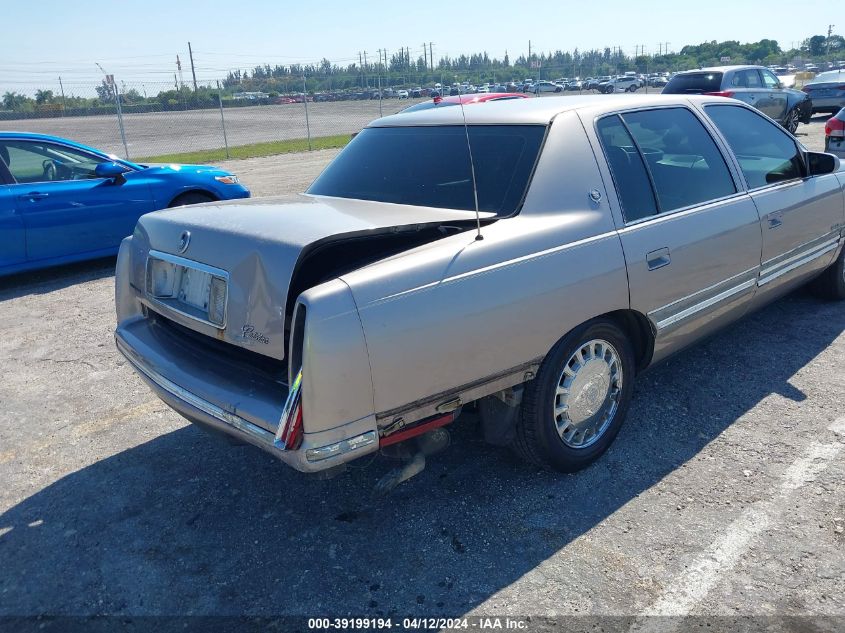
480,623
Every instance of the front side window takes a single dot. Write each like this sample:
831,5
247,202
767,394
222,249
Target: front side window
767,154
684,166
30,161
769,80
430,166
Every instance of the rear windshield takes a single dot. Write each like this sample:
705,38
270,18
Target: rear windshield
693,83
430,166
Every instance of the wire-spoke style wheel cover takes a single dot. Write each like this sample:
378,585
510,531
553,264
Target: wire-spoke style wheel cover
587,394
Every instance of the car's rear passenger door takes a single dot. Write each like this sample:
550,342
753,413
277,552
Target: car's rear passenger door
691,238
12,236
801,216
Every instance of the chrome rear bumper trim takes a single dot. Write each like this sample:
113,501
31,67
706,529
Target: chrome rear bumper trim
259,435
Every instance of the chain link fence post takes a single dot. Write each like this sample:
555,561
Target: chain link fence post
222,119
305,101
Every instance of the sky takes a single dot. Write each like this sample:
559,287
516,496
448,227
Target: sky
138,42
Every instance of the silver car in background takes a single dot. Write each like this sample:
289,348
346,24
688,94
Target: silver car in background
827,90
530,263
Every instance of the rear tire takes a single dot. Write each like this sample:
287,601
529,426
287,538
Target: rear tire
831,283
790,123
572,411
192,197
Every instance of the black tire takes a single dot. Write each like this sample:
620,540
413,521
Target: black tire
537,439
831,283
192,197
790,123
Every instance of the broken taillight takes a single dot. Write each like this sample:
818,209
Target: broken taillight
289,433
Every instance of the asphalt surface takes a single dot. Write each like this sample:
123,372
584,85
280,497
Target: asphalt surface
724,494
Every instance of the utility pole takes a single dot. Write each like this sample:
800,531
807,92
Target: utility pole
431,55
366,80
61,86
179,68
529,50
829,33
193,70
425,56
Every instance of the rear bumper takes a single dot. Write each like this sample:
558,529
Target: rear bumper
186,393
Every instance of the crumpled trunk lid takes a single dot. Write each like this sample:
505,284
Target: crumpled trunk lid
259,244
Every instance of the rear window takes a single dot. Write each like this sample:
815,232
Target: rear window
693,83
430,166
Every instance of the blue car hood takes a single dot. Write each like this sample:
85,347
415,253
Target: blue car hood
174,168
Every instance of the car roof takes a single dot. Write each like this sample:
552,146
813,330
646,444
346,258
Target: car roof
719,69
537,111
828,75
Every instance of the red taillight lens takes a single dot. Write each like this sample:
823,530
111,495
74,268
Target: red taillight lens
722,93
289,433
834,127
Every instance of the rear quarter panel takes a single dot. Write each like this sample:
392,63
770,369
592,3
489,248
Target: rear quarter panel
447,315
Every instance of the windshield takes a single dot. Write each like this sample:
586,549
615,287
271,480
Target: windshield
429,166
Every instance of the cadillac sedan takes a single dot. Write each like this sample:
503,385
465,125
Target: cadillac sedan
530,262
63,202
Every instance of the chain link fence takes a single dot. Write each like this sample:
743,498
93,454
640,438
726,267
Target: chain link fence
145,120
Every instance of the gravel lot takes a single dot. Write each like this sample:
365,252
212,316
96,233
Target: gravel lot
724,493
156,133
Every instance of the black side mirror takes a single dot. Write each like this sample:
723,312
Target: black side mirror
820,163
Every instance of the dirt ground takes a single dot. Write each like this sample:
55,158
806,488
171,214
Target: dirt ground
724,494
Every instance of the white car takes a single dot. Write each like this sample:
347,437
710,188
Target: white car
622,84
402,94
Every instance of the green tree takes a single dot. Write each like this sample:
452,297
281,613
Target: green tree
43,96
13,100
815,45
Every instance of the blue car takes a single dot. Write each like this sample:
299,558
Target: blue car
63,202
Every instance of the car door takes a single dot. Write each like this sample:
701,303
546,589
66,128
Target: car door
801,216
691,238
12,240
774,99
65,207
745,85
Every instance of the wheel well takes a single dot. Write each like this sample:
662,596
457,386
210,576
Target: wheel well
639,330
182,194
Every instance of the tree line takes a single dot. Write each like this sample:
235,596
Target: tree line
401,70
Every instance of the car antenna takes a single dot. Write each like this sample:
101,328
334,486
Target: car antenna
472,171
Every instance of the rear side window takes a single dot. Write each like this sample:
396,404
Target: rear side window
430,166
694,83
766,154
682,163
628,169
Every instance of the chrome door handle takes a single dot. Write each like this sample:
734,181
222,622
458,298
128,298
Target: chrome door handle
34,195
658,259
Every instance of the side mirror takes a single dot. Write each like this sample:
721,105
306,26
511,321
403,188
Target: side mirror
110,170
820,163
